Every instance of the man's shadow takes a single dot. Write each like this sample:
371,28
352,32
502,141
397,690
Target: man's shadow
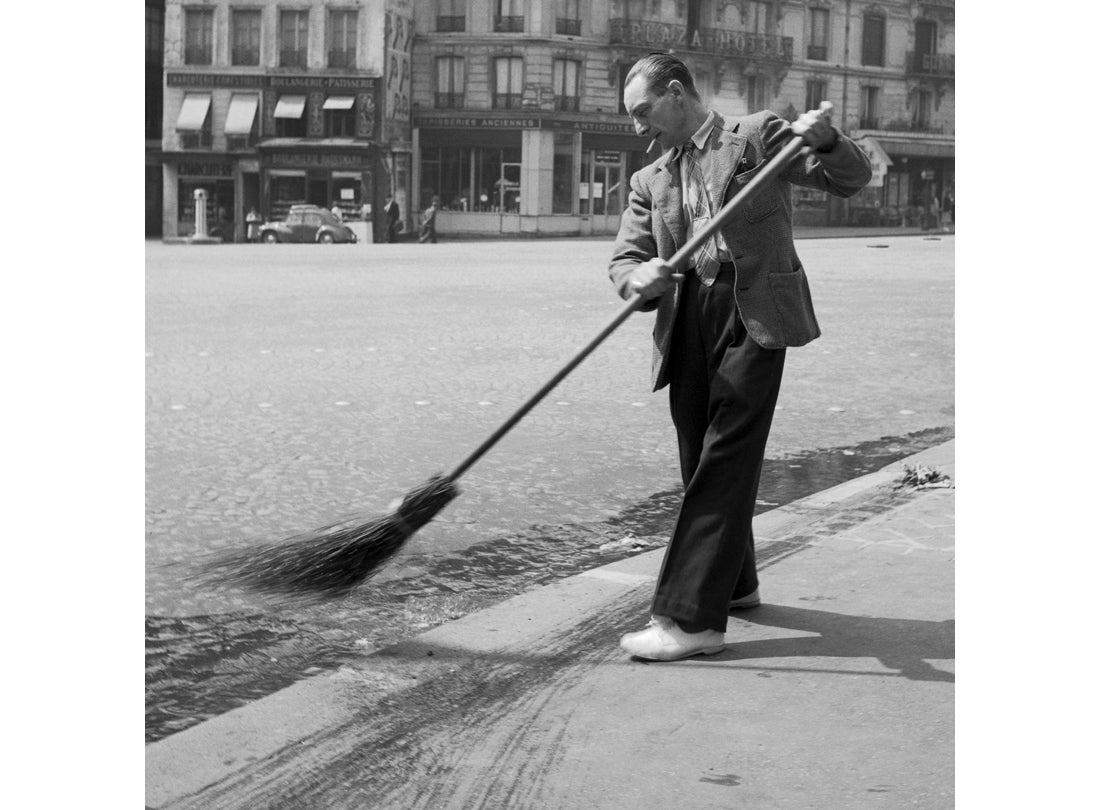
899,644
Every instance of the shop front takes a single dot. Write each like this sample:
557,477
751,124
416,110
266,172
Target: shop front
913,175
528,174
310,174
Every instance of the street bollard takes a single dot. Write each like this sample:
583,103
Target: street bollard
200,213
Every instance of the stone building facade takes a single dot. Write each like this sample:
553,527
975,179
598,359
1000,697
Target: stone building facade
518,124
268,103
510,111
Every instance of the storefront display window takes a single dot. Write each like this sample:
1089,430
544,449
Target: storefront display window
471,178
286,190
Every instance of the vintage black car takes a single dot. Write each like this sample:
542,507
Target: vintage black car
307,223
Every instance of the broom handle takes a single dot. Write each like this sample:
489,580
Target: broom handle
677,262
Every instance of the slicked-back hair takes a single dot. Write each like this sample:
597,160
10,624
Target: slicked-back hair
659,69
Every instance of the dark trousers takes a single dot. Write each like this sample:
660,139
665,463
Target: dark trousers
722,391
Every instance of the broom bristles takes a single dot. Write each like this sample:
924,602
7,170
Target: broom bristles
334,559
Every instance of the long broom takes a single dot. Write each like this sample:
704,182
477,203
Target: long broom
334,559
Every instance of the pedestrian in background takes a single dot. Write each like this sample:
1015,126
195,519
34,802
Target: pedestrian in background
393,217
427,225
721,354
337,211
252,222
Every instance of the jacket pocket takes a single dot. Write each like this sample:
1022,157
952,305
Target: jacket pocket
791,295
766,201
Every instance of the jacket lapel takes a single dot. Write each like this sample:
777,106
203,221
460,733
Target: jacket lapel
727,147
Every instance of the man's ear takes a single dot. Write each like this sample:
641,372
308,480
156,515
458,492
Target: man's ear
676,87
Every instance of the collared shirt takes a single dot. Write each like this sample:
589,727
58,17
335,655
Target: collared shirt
701,139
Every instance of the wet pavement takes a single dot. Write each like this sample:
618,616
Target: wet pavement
281,386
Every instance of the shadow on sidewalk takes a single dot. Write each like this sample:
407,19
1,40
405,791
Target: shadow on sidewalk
899,644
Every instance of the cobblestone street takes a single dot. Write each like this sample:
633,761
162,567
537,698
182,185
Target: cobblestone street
289,385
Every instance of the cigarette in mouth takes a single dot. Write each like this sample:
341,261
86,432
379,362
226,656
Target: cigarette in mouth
652,145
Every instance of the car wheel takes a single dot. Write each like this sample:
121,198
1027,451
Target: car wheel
270,237
325,239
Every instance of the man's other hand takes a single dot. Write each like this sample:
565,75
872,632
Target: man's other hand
816,127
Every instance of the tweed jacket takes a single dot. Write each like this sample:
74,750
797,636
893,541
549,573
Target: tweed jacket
771,290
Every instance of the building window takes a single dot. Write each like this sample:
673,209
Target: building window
755,93
241,121
508,18
290,117
922,110
342,25
198,36
874,40
452,16
564,187
508,83
293,38
246,37
569,18
868,107
925,38
756,16
339,117
815,94
450,75
566,84
623,70
154,71
193,125
819,34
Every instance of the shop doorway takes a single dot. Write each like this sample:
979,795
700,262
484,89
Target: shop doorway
317,192
602,189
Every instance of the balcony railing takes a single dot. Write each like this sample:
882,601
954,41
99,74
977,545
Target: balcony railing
508,25
246,56
567,103
568,27
341,58
292,57
198,55
818,52
450,23
932,64
719,41
450,101
239,143
201,139
507,101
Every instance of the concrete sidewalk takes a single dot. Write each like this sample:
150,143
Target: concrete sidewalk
837,692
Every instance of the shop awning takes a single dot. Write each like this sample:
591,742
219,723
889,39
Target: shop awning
290,107
936,147
242,112
193,112
339,102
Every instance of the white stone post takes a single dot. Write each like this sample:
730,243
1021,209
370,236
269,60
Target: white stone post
200,213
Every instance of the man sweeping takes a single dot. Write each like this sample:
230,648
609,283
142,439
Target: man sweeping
722,327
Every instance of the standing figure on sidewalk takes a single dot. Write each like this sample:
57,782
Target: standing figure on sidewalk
427,225
721,329
393,216
253,221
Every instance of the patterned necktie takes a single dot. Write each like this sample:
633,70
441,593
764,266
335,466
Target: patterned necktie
706,257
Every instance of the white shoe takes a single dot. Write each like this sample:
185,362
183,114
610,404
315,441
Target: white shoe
663,640
750,601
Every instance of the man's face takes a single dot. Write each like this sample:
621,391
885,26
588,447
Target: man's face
654,116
